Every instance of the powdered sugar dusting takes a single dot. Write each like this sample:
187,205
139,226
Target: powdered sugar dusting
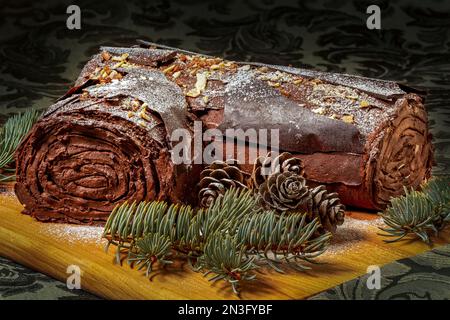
151,87
335,101
350,234
384,89
347,237
75,234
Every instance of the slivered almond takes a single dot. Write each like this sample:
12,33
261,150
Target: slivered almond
176,74
168,69
200,85
364,104
348,118
319,110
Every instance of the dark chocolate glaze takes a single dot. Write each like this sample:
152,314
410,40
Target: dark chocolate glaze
106,140
299,128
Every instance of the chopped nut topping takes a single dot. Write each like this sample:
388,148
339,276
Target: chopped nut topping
205,99
123,57
274,84
320,110
84,95
182,57
118,64
168,69
176,74
114,75
348,118
193,93
105,75
135,105
364,104
143,114
200,85
105,55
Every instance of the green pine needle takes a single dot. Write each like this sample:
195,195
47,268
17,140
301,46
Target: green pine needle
11,135
152,248
224,257
229,239
438,191
418,212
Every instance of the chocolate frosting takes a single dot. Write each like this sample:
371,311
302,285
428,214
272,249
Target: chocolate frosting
299,128
141,56
106,140
153,88
87,154
380,88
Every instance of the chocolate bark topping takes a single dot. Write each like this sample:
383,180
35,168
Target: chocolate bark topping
380,88
152,88
300,130
143,56
106,140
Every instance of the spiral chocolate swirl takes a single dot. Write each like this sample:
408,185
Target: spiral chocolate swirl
108,145
404,152
76,166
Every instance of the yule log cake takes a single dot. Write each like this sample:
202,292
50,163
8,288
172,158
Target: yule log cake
107,140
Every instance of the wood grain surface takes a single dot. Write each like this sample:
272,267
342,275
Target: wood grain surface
51,248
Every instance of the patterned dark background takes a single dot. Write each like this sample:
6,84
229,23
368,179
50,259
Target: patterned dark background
40,58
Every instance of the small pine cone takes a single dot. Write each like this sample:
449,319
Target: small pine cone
217,178
283,191
326,206
268,165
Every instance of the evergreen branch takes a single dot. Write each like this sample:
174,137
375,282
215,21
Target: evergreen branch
412,213
288,236
227,259
11,135
438,191
152,248
229,210
226,238
127,223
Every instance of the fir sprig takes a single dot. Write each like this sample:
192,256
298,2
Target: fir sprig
152,248
227,260
11,135
438,191
418,212
230,239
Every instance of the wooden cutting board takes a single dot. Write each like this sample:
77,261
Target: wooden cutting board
51,248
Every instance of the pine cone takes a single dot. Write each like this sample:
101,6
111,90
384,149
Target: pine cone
283,191
217,178
326,206
268,165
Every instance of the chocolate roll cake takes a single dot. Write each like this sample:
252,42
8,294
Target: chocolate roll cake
107,140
